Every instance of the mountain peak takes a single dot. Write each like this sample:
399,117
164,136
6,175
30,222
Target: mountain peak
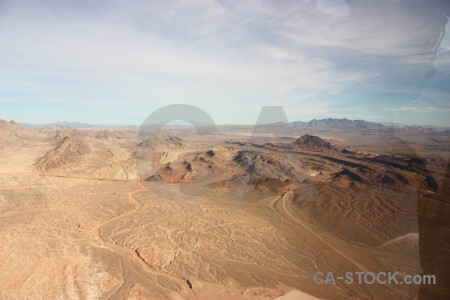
312,143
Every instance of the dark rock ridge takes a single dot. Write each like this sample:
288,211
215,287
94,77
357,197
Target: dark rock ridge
347,174
260,168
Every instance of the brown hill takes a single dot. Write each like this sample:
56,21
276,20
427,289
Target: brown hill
69,150
188,168
391,180
312,143
12,134
103,135
271,170
54,129
162,142
107,134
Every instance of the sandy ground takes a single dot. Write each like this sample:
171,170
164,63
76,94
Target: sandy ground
93,229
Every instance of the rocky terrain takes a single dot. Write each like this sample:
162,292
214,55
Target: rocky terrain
68,151
107,214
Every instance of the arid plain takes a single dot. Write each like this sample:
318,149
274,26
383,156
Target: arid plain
244,213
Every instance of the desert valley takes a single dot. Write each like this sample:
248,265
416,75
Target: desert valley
242,213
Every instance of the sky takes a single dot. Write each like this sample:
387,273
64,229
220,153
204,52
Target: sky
116,62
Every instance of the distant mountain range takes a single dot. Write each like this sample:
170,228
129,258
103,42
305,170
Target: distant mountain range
328,122
415,125
71,124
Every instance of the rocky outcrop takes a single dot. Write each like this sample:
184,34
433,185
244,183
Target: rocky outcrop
312,143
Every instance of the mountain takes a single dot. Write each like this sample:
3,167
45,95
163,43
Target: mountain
79,125
312,143
76,124
12,134
391,124
344,123
162,142
69,150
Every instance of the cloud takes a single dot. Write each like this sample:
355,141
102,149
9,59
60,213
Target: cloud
213,54
121,53
416,109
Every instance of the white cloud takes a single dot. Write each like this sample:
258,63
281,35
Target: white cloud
418,109
122,54
207,53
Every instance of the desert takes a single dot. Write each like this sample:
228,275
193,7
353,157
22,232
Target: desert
224,216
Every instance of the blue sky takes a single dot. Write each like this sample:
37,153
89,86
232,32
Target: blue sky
115,62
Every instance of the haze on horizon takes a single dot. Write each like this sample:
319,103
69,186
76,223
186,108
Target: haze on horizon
115,62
